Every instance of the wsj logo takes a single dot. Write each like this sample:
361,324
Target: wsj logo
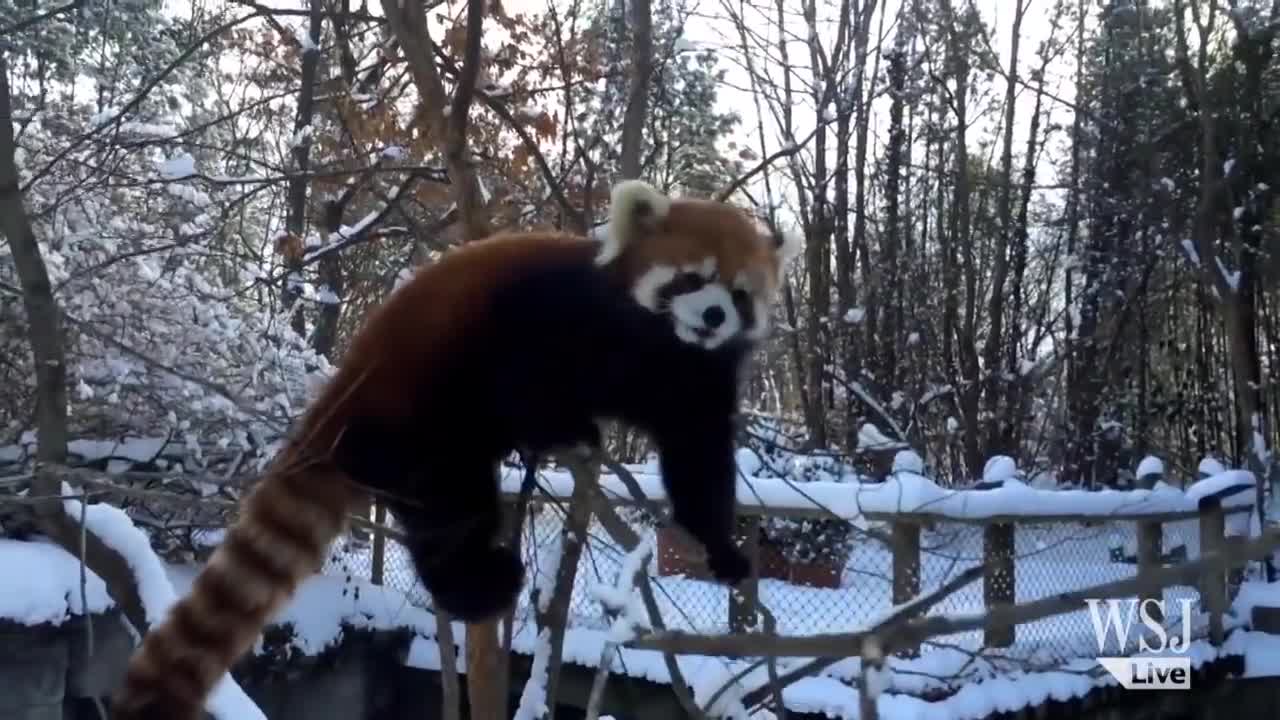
1152,672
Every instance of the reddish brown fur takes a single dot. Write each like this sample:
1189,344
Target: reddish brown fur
696,229
295,512
298,508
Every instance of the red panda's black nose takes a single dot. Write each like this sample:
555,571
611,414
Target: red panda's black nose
713,316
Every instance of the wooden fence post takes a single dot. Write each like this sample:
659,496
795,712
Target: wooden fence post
906,567
379,544
998,584
1150,550
744,598
1235,573
1213,587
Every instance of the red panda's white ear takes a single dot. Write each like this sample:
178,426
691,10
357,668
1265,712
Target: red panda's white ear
636,208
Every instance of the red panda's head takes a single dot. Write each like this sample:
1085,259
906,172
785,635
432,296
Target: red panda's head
710,267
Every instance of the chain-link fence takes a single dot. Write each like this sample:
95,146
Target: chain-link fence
843,594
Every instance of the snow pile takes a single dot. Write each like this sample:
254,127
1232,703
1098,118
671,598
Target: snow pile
871,438
116,530
716,690
1210,466
999,469
42,584
177,167
326,604
1260,650
1253,593
1150,466
908,461
111,525
1233,487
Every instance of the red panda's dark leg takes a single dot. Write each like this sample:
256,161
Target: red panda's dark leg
453,532
699,473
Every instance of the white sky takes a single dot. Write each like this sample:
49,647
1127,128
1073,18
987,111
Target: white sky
709,26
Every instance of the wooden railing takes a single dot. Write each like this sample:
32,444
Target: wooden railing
1000,577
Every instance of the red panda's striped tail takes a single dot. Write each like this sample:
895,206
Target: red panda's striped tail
286,525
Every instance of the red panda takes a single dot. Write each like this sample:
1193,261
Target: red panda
516,342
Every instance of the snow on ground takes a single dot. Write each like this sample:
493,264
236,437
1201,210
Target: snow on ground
326,603
1261,650
1051,655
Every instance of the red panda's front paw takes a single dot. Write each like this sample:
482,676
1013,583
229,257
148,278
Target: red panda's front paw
728,565
476,585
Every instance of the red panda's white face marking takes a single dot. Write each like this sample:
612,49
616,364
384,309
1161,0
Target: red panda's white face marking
703,264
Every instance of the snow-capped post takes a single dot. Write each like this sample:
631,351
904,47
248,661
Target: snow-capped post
906,566
906,543
1150,534
881,449
999,581
1213,588
1213,494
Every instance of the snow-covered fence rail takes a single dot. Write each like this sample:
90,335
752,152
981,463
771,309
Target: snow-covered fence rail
904,535
894,539
914,525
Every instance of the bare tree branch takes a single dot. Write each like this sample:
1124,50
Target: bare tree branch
785,152
21,25
408,24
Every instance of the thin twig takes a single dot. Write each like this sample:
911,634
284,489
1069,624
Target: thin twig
622,534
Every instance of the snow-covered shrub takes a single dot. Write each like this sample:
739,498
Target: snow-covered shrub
771,449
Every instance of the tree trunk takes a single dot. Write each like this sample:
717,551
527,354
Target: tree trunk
44,332
296,220
638,92
991,354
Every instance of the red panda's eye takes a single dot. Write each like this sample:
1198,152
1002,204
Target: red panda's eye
690,282
741,297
